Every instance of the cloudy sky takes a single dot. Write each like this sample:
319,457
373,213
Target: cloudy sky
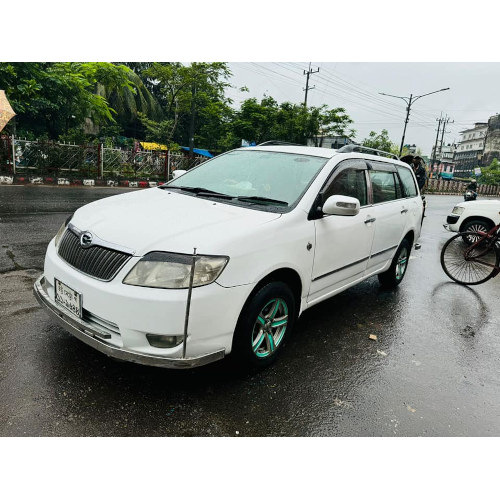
473,96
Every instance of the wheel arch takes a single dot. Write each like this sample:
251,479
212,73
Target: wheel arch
286,275
410,236
476,217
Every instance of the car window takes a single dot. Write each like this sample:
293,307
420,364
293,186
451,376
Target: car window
408,182
383,186
349,182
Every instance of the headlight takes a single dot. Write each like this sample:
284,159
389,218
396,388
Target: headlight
173,270
458,210
61,230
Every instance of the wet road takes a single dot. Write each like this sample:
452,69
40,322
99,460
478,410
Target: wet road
433,370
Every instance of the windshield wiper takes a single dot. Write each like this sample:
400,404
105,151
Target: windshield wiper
201,191
261,199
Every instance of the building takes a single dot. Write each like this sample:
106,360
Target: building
329,141
492,141
470,149
443,160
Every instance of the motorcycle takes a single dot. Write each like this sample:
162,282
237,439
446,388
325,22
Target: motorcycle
470,195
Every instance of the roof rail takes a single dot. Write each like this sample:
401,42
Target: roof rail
351,148
278,143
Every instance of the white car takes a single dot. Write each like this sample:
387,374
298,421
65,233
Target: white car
479,215
224,258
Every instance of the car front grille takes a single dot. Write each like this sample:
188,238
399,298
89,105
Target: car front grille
96,261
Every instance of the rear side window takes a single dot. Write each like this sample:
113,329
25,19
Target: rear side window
383,186
349,182
408,182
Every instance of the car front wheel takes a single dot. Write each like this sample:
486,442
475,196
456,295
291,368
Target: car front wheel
264,324
474,226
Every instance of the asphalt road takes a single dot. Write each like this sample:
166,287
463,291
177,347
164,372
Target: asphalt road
433,370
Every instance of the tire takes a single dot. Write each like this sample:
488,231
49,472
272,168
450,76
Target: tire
395,274
473,226
468,272
257,339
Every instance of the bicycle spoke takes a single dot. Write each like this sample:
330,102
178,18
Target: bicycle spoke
470,258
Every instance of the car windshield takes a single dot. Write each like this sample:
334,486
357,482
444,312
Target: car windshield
260,177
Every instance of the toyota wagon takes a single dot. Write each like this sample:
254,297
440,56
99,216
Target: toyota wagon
223,259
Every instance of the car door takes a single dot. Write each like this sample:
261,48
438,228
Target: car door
390,213
342,242
412,199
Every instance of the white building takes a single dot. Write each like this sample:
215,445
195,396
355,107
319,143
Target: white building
444,163
470,149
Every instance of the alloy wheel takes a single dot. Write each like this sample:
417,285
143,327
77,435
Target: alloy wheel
269,328
401,264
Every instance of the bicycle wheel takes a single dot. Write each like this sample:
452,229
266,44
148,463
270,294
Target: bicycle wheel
477,267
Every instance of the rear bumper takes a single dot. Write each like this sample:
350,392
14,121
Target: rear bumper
89,334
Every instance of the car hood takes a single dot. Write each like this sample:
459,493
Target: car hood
159,219
482,204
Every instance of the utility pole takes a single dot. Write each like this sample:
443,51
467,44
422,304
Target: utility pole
409,101
445,122
439,120
308,73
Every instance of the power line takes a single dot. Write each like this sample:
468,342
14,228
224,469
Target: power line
445,122
409,101
374,100
371,108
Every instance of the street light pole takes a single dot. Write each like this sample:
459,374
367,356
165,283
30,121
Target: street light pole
409,101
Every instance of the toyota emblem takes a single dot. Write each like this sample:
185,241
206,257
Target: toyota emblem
86,239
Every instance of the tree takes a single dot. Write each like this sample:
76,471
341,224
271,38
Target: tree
128,100
267,120
491,173
52,98
380,141
196,109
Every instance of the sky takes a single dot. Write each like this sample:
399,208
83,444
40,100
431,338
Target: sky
473,95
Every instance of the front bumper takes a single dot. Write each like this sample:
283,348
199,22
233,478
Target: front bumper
452,223
90,335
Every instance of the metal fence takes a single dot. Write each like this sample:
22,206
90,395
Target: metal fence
22,157
441,186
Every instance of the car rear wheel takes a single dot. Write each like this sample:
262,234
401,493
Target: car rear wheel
395,274
264,324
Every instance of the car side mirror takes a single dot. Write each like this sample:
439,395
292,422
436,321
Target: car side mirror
178,173
341,205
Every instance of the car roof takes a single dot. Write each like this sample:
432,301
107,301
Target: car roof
323,153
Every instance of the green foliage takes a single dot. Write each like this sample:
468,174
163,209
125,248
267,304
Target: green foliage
491,174
53,98
160,132
381,141
168,103
189,94
266,120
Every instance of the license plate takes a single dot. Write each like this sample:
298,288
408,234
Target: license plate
68,298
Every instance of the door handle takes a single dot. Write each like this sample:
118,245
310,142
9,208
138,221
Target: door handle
370,220
404,210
